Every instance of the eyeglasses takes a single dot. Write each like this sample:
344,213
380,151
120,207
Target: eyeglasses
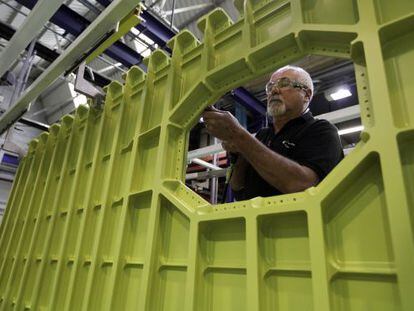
284,82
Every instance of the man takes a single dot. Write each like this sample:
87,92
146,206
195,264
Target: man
295,153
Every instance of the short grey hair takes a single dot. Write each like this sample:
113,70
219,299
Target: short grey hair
304,78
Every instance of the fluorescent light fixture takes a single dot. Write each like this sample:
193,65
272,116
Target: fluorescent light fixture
337,93
351,130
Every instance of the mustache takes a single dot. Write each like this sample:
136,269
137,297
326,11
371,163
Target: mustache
274,100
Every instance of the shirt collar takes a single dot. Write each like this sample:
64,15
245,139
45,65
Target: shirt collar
306,115
303,118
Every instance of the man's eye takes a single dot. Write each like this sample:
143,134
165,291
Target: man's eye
283,82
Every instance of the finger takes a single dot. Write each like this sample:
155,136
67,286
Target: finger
211,115
212,108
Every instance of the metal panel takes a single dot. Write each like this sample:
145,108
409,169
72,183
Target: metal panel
100,217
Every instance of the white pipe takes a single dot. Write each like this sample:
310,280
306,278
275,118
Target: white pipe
205,164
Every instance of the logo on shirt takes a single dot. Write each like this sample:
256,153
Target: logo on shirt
288,144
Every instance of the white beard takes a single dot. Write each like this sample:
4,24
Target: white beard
276,109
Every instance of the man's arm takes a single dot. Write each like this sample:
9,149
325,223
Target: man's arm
279,171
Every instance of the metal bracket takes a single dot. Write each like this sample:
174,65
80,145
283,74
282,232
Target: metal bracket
121,28
81,84
88,53
88,89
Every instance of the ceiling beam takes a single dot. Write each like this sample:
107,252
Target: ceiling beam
151,26
341,115
107,20
90,6
6,32
199,14
242,96
189,8
28,31
13,14
161,6
75,24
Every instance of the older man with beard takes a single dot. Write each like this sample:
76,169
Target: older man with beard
296,152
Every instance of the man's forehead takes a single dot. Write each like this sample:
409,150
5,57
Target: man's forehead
288,73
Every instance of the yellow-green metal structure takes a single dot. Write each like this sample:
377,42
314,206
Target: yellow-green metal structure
99,217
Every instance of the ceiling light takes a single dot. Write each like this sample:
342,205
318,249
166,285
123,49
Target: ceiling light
351,130
338,93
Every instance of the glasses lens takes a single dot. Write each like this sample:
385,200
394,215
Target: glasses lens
284,82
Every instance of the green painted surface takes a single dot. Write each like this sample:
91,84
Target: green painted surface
99,217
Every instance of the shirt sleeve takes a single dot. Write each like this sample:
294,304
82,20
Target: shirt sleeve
320,148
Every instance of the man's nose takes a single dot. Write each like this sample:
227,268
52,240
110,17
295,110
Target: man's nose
274,90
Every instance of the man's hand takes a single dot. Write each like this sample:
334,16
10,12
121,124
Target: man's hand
223,125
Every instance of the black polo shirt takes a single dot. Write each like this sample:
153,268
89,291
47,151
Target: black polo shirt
308,141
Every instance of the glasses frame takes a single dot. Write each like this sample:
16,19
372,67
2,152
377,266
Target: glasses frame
284,82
